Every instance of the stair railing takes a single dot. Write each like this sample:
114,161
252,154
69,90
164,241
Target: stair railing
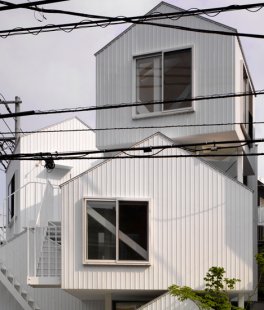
27,200
44,249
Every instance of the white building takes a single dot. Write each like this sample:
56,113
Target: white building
116,234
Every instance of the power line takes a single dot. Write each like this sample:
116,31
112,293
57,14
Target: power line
68,27
133,156
10,6
158,15
33,7
132,128
126,105
145,149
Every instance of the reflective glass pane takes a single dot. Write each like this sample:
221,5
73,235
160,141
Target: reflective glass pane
101,230
177,78
148,83
133,230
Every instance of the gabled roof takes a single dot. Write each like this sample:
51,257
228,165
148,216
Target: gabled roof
49,127
103,161
168,141
175,8
64,121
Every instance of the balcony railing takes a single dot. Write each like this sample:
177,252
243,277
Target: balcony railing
34,204
44,255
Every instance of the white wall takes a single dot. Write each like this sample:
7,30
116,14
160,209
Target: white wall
60,142
7,302
214,73
32,177
199,218
14,257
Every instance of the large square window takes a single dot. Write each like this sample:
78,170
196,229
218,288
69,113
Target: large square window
164,78
116,230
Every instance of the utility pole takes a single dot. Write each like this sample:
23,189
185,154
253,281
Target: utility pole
17,118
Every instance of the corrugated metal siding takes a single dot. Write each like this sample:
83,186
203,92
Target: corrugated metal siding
199,218
52,142
32,173
14,256
168,302
7,302
214,71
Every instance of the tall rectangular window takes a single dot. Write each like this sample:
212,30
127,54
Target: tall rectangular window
247,108
11,199
165,78
116,230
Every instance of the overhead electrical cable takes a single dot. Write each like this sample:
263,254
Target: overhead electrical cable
144,19
38,158
155,15
131,128
91,24
33,6
11,6
126,105
5,103
145,149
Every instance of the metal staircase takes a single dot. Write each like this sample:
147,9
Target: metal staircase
16,290
49,262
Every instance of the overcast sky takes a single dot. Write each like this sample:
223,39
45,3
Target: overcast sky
57,70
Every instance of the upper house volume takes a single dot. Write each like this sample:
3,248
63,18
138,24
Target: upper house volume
148,63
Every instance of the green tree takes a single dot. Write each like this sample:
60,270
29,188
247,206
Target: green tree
214,296
260,262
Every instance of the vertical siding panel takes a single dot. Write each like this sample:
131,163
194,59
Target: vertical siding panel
192,217
214,73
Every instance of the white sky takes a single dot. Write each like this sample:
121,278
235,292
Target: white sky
57,70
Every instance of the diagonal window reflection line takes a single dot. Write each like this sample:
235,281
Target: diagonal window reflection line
123,237
100,219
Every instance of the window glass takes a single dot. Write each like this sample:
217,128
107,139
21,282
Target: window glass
177,78
247,105
117,230
148,83
133,222
11,199
166,77
101,219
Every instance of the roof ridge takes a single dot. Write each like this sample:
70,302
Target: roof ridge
152,11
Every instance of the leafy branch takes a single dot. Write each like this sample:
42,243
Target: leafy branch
214,296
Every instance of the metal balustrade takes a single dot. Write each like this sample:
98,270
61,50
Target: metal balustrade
44,251
34,204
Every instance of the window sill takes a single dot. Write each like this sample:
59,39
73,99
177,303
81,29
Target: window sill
116,263
162,113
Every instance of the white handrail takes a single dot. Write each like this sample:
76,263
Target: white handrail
29,208
44,249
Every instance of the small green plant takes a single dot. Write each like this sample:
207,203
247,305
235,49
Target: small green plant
214,296
260,262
